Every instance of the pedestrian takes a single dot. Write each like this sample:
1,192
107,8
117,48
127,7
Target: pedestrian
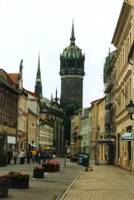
34,155
28,155
9,156
15,156
22,156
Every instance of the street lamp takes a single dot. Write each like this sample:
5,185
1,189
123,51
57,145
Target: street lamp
130,109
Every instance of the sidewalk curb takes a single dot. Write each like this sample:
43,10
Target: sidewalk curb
69,187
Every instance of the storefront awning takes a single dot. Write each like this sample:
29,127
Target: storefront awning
127,136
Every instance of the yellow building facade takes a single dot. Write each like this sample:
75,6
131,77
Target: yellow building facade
101,146
97,130
75,135
33,119
124,85
22,122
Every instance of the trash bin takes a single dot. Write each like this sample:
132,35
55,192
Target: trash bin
85,161
80,159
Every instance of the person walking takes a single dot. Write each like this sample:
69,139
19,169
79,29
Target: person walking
9,156
34,155
28,155
22,156
15,156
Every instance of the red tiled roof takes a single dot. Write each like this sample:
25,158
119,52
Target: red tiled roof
14,77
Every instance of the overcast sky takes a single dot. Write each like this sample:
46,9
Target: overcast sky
28,27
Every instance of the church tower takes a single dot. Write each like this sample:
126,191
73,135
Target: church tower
38,83
72,73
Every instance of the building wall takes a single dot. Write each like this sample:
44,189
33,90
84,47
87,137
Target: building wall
46,136
94,128
101,117
97,130
8,108
72,91
85,130
33,119
101,146
123,39
22,122
75,135
32,128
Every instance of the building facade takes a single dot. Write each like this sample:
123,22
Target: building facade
110,106
97,130
122,39
33,119
8,114
75,144
22,109
85,130
51,115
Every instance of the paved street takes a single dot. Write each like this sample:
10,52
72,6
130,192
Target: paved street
74,183
49,188
103,183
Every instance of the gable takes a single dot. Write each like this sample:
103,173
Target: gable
6,78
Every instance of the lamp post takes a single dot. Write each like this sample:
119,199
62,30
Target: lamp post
130,109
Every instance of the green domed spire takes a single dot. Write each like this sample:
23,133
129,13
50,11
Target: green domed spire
72,58
72,39
72,51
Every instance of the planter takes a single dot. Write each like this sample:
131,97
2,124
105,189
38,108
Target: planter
51,166
45,166
18,180
38,172
4,185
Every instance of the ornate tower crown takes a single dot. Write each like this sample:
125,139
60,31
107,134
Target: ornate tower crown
72,59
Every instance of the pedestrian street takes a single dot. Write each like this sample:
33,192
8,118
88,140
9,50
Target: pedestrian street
103,183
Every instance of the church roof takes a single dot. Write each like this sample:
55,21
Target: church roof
14,77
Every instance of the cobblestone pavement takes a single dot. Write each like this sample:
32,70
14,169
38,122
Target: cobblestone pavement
103,183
